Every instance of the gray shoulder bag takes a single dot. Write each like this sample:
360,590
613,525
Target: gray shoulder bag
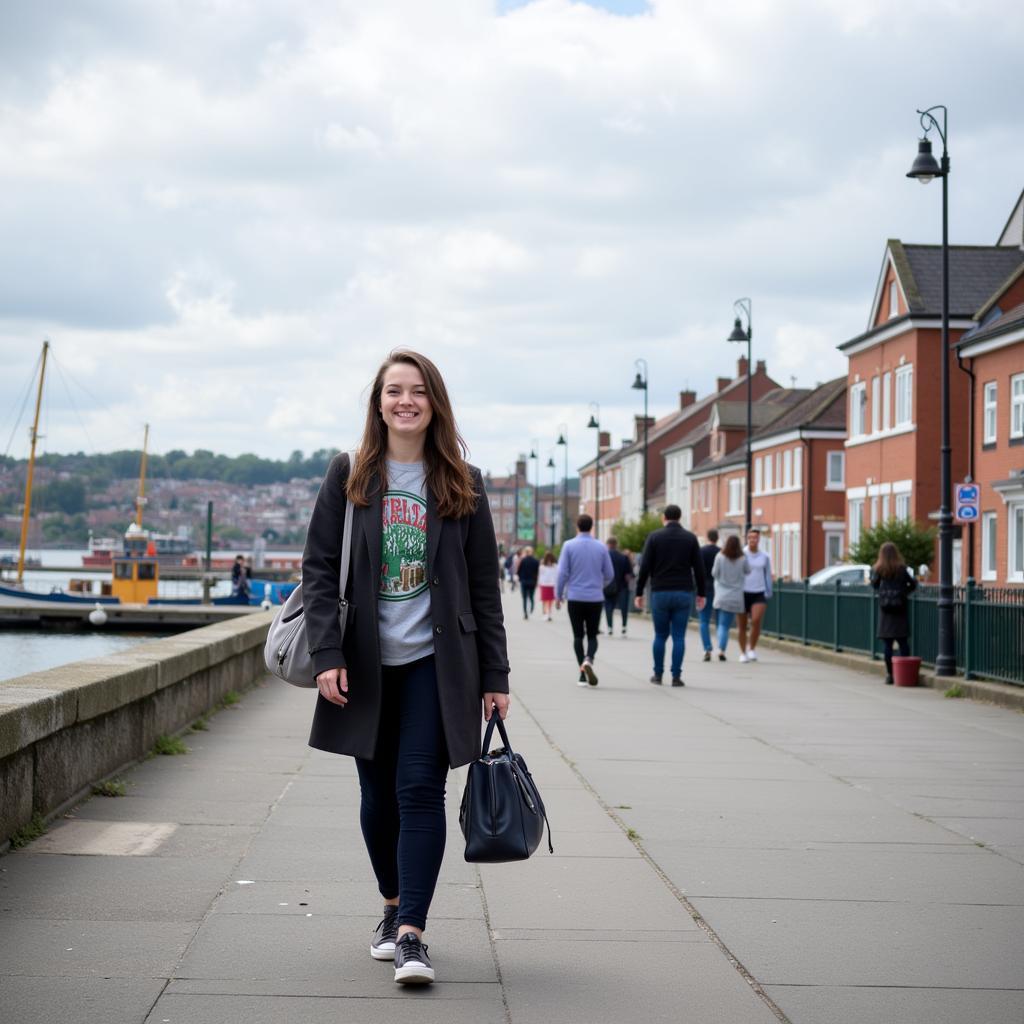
287,651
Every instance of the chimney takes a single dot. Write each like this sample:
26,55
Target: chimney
521,466
741,366
687,398
759,367
638,428
604,441
723,383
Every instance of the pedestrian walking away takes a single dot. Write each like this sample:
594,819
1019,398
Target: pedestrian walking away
891,578
708,553
510,569
757,592
584,570
729,573
547,577
424,656
616,594
671,561
529,567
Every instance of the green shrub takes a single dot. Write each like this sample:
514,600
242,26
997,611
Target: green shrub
634,535
916,543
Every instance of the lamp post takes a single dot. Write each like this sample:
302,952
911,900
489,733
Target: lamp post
551,507
744,306
563,440
595,424
924,169
640,384
536,488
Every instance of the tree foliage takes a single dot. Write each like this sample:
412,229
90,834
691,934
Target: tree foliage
634,534
916,543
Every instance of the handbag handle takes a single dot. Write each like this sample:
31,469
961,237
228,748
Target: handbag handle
346,539
495,721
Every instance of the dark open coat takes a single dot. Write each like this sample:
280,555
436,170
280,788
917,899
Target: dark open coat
465,605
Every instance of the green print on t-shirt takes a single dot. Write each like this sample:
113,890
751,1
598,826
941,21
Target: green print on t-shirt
403,564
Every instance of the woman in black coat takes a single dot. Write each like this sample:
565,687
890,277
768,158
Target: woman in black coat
424,652
890,578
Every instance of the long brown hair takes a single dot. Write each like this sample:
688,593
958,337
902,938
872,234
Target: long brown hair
444,452
731,549
890,562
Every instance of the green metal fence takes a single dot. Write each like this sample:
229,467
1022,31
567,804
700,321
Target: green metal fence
989,624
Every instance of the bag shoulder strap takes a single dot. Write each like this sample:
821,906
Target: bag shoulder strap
346,537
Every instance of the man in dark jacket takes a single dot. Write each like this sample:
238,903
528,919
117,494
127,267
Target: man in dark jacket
707,557
616,594
672,562
529,569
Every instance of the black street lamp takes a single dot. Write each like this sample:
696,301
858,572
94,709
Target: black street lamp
536,488
551,506
595,424
640,384
924,169
740,335
563,440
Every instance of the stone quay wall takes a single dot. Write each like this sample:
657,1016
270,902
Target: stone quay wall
66,728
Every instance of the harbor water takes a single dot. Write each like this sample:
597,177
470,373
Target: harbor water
23,651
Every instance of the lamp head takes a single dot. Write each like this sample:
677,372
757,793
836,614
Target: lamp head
593,424
551,462
738,334
532,454
639,384
925,165
561,439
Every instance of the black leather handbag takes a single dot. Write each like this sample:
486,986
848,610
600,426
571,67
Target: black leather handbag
502,814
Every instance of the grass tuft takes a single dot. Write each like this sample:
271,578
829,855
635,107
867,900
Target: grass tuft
631,833
112,787
169,746
27,833
623,807
229,698
956,690
201,724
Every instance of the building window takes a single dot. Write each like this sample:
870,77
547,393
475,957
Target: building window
1015,565
735,497
1017,406
798,467
856,508
758,476
989,405
988,545
787,470
874,510
903,506
835,480
778,471
904,396
794,569
785,551
833,547
894,299
886,400
885,508
508,500
858,404
768,482
876,405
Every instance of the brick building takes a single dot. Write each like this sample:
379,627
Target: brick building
893,381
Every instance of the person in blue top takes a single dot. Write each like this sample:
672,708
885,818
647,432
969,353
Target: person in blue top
584,570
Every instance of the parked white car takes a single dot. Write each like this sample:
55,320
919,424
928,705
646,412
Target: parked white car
846,575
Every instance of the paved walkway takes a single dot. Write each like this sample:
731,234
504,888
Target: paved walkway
779,841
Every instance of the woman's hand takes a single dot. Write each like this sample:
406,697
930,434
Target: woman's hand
333,685
496,700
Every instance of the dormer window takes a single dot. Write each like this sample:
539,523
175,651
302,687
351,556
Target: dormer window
894,298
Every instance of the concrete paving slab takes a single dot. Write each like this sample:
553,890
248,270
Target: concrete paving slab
78,1000
898,1005
106,838
380,985
106,949
193,811
430,1008
880,944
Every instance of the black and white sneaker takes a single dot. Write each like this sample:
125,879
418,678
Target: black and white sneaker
588,671
383,945
412,965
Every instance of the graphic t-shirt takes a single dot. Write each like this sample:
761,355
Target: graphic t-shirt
403,605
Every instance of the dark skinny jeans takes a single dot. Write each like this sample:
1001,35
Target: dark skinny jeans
585,617
528,592
620,603
887,646
402,789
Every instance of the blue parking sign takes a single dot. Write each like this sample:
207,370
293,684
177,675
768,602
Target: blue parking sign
966,494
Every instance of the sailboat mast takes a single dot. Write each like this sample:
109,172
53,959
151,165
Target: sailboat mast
141,499
31,468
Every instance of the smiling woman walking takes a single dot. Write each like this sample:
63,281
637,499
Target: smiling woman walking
424,652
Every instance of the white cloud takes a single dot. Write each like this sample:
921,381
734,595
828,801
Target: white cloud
224,215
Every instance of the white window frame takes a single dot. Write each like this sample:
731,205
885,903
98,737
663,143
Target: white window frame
1017,405
832,482
989,545
874,510
990,392
902,506
858,404
798,467
758,475
830,537
787,468
785,551
794,566
886,511
887,400
894,299
735,497
779,477
904,404
768,480
1015,537
855,508
876,404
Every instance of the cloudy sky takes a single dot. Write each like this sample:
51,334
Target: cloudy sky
224,213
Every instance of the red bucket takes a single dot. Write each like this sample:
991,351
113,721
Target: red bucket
905,670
